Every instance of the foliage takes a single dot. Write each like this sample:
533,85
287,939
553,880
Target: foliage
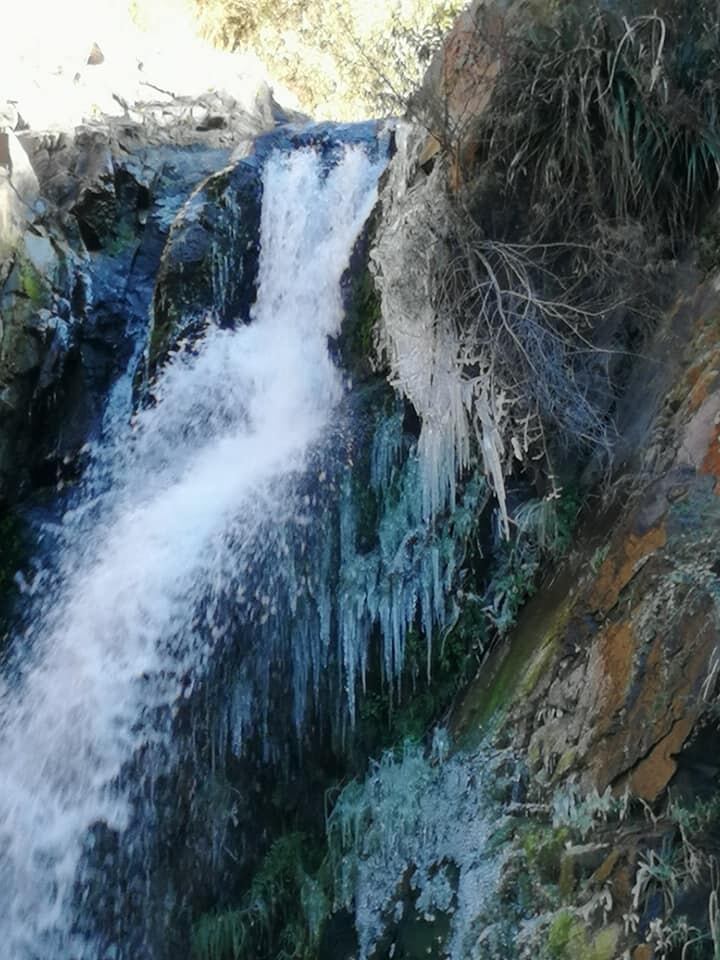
685,862
656,871
513,582
384,722
543,848
399,776
581,812
282,914
605,116
541,530
342,59
698,819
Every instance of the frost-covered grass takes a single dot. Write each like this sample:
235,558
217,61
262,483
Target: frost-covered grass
418,813
423,815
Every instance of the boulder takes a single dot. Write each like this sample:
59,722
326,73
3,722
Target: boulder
460,81
208,271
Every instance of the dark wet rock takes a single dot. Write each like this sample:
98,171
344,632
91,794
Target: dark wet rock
209,268
339,939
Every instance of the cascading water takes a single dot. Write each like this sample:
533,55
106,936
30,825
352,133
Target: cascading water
193,494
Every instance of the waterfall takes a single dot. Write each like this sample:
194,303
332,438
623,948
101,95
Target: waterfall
186,503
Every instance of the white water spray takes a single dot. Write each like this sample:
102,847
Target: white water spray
115,644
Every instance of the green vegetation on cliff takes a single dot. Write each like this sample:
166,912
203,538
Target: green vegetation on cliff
282,914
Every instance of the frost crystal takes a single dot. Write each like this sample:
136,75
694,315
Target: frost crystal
422,818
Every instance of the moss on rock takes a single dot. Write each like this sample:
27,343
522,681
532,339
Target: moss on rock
357,341
569,939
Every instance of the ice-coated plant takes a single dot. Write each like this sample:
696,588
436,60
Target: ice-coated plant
582,812
426,815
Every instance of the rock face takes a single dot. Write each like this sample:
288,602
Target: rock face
208,271
19,190
460,81
632,643
608,686
84,216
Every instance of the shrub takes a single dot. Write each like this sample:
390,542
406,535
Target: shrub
281,916
342,59
601,115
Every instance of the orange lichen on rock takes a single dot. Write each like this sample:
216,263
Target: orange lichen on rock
606,868
652,775
711,463
702,378
701,389
621,566
617,646
652,703
643,952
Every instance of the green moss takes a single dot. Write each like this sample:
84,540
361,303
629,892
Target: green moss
369,310
166,316
514,671
544,846
566,880
604,944
565,937
568,939
564,764
357,345
124,237
33,284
